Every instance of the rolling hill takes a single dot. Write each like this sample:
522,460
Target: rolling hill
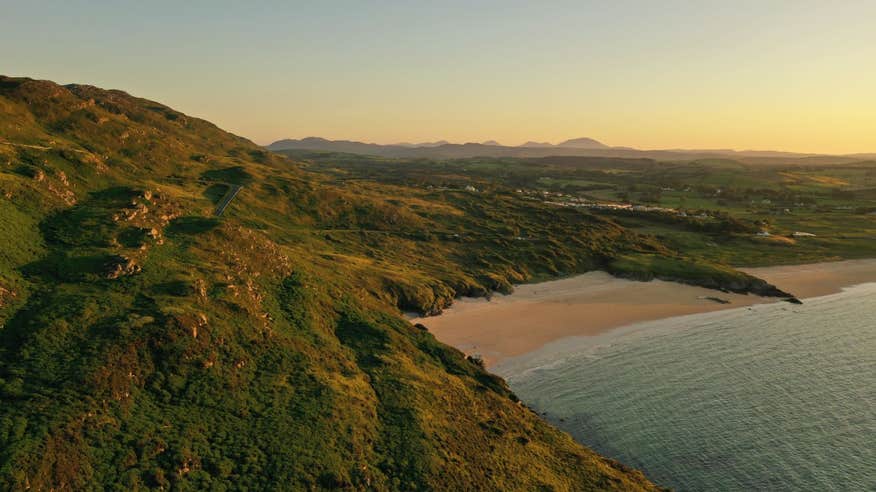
578,147
147,343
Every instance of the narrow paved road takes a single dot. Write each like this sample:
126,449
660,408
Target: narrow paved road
229,195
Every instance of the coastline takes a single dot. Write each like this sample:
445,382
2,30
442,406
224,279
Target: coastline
595,303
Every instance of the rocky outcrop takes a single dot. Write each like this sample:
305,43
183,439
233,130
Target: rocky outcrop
6,295
120,266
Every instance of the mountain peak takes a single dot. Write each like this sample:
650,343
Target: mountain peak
583,143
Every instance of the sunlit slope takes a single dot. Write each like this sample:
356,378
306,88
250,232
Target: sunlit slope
146,343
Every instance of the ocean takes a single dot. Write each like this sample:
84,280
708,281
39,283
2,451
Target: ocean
772,397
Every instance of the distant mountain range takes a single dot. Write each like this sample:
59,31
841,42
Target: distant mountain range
575,147
583,143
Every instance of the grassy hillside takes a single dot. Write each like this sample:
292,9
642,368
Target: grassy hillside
146,343
710,209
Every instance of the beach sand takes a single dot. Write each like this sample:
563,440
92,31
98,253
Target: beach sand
595,302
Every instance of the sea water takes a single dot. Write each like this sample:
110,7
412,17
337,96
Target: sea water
773,397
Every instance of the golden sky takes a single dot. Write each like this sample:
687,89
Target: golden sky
768,74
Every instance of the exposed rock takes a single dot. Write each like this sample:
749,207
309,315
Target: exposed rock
120,266
64,194
201,288
6,295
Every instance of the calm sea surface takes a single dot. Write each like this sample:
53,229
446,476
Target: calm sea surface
775,397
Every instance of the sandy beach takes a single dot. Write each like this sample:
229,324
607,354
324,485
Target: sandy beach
595,302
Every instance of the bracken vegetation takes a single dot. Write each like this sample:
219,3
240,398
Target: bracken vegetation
146,343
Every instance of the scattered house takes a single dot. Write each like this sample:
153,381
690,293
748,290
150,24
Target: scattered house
470,188
766,201
802,234
763,234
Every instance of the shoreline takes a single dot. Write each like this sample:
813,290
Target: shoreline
595,303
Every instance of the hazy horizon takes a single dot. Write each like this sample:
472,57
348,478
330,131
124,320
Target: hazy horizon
777,75
555,141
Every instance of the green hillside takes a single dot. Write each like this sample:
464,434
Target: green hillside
147,343
711,209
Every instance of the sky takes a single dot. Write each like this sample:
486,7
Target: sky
795,75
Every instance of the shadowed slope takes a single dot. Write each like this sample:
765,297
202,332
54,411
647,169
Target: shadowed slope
147,343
